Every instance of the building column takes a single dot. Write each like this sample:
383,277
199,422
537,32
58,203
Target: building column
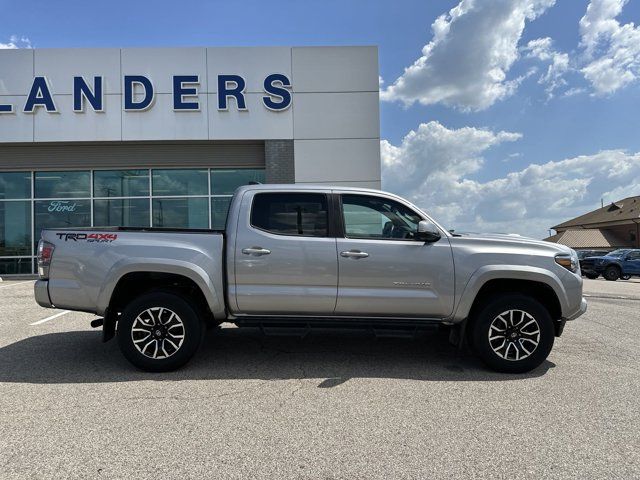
279,161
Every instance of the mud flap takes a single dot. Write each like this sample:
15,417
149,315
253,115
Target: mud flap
457,334
109,326
559,326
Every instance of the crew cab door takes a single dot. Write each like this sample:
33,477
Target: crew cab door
285,259
631,264
384,270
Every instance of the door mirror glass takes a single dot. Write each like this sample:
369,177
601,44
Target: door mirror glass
428,232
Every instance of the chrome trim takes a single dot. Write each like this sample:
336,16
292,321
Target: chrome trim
256,251
356,254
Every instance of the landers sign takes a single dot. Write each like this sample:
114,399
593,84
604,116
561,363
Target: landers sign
139,94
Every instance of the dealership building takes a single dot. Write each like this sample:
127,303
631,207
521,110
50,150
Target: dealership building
162,136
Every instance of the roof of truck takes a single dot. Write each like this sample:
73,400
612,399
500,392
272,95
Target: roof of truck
307,186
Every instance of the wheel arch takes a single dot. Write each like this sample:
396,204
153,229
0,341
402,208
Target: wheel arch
125,282
540,284
539,291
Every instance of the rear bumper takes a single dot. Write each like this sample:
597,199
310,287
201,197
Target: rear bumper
41,292
582,309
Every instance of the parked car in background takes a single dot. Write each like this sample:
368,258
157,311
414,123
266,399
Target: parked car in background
582,254
623,263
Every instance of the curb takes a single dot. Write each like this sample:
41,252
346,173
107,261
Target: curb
24,276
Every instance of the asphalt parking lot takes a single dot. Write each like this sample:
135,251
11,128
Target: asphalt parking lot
331,405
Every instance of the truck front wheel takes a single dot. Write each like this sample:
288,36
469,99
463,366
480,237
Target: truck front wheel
159,332
512,333
612,273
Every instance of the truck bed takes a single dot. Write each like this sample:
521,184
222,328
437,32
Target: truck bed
139,229
88,263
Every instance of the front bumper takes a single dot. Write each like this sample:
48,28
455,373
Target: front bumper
41,292
582,309
592,267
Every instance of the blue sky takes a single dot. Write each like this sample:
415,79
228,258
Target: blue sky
473,146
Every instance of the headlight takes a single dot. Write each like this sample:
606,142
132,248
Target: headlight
568,261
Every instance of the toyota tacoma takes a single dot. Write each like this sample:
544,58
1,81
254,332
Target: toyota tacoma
313,256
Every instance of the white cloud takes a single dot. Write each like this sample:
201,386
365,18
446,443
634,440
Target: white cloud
612,50
466,63
16,42
542,49
433,164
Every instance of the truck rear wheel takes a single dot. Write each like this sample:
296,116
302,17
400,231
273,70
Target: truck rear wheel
512,333
159,332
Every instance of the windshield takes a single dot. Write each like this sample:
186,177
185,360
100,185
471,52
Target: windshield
617,253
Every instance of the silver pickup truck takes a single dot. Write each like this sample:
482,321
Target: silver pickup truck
313,256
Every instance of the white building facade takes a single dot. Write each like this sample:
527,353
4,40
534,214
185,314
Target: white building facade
163,136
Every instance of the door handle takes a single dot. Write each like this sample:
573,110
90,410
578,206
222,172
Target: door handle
256,251
357,254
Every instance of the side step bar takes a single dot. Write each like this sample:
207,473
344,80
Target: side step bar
302,327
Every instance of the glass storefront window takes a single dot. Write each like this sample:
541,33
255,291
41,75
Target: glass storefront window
15,228
121,213
180,212
179,198
180,182
121,183
219,210
225,182
62,184
15,185
61,214
15,266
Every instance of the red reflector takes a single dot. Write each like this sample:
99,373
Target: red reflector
46,253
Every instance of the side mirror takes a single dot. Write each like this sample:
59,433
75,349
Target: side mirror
428,232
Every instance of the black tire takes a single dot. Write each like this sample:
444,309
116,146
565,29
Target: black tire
481,326
612,273
592,276
145,309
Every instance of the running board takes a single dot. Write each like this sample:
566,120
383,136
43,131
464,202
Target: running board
301,327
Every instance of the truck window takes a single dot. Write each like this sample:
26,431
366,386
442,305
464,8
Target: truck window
300,214
378,218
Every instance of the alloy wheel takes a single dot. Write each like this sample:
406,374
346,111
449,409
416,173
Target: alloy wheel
514,335
158,332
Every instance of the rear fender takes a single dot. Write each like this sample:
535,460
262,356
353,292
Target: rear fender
189,270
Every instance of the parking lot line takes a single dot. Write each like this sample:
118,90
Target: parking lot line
51,317
14,284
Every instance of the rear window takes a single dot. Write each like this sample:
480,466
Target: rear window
300,214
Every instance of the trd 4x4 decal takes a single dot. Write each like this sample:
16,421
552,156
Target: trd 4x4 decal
88,237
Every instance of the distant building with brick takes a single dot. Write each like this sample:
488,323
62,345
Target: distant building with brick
613,226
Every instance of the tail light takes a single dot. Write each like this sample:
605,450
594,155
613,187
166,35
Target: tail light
45,253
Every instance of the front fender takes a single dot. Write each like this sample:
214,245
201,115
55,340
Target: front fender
189,270
615,264
509,272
